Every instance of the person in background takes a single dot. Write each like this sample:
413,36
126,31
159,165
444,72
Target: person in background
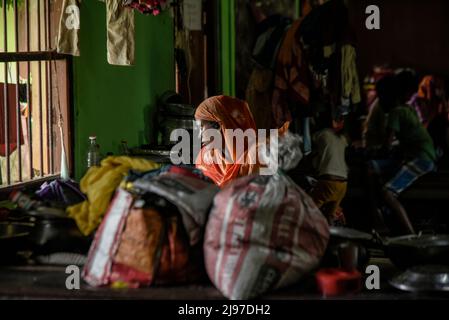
374,131
416,156
431,104
329,161
270,30
430,100
221,113
315,70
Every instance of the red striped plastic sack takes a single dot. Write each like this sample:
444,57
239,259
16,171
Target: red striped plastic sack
263,233
97,271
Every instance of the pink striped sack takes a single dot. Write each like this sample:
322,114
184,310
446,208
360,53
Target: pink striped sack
263,232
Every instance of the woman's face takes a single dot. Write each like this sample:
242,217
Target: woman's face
204,126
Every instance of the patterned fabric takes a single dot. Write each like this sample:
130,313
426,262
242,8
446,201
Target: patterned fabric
429,101
408,174
316,69
404,174
142,242
263,233
153,7
292,78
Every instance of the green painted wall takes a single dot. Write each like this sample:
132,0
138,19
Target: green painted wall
227,47
117,102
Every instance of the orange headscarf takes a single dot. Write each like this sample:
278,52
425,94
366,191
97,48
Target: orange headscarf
229,113
429,88
426,88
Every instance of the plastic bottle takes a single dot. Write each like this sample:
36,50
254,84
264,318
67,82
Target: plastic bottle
93,153
124,148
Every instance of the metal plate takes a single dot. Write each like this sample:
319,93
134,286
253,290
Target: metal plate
430,278
420,241
350,234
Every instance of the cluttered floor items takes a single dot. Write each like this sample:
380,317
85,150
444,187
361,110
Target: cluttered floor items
134,224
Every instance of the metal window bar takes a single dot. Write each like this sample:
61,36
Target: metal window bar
5,95
29,104
18,111
39,75
49,90
34,86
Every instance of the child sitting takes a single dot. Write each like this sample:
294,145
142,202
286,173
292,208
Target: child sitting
329,162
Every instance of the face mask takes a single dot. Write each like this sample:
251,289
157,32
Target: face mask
203,127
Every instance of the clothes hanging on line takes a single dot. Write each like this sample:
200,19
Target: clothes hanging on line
13,108
120,39
119,25
69,26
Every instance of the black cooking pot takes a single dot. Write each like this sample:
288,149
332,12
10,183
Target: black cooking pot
58,235
413,250
53,231
14,237
405,251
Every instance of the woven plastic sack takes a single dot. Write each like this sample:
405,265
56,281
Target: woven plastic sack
264,232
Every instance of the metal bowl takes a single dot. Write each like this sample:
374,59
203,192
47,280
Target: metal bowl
427,278
178,109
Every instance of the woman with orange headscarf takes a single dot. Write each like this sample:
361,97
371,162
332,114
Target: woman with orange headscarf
225,164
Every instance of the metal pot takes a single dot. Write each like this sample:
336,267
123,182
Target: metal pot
58,235
412,250
170,124
341,239
178,109
14,237
53,231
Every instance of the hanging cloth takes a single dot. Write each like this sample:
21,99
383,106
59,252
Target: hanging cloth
120,40
69,26
349,76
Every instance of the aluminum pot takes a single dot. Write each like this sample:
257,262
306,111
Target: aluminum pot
53,231
14,237
413,250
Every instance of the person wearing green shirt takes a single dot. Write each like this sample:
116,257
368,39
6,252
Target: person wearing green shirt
416,149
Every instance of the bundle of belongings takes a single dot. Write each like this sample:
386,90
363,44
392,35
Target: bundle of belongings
316,68
61,192
152,232
99,185
264,232
173,225
269,34
119,25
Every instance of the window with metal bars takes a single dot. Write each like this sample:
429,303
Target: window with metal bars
34,92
